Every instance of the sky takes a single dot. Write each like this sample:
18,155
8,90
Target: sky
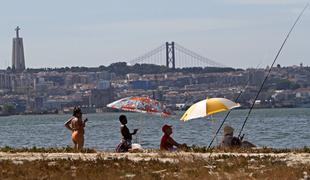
236,33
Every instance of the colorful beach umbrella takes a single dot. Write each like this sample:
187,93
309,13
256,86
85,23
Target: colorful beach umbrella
140,104
208,107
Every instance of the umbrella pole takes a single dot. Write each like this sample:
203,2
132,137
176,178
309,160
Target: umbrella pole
213,127
236,100
218,130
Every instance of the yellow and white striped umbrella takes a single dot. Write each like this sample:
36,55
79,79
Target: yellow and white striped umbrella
207,107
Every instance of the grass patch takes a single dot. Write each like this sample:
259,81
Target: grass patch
197,149
193,149
44,150
229,167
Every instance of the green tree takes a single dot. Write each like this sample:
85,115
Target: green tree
9,108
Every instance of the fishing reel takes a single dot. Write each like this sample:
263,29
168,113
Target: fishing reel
241,138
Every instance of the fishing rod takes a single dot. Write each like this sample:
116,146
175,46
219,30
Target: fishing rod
237,98
276,57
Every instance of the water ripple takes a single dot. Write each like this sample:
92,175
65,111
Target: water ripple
279,128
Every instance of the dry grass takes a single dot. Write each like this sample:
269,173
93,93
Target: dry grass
221,167
44,150
190,166
193,149
246,150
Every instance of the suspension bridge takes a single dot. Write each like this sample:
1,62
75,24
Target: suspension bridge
173,55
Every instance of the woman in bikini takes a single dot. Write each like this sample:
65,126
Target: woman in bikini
76,125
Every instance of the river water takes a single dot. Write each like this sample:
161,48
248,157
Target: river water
278,128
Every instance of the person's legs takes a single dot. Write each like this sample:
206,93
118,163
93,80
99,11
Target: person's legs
123,147
74,144
119,147
247,144
75,140
128,145
80,143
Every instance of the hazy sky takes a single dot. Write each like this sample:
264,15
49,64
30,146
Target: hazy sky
237,33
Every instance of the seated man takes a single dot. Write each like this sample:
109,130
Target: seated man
230,141
167,143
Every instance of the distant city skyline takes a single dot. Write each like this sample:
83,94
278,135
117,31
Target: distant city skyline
237,33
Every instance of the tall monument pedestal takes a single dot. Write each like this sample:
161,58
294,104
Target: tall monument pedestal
18,58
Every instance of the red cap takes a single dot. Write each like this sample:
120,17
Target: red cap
165,127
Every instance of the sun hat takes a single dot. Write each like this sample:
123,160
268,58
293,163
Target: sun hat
228,130
165,127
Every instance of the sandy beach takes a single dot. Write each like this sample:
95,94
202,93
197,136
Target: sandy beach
154,165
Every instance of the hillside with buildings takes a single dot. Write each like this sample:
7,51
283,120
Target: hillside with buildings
59,90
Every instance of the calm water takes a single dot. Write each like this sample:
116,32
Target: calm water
279,128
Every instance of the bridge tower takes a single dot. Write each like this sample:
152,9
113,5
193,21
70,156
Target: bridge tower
169,52
170,55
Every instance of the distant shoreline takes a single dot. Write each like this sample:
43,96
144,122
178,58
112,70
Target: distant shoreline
117,111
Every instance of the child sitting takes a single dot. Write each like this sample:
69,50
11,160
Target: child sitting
125,144
167,143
